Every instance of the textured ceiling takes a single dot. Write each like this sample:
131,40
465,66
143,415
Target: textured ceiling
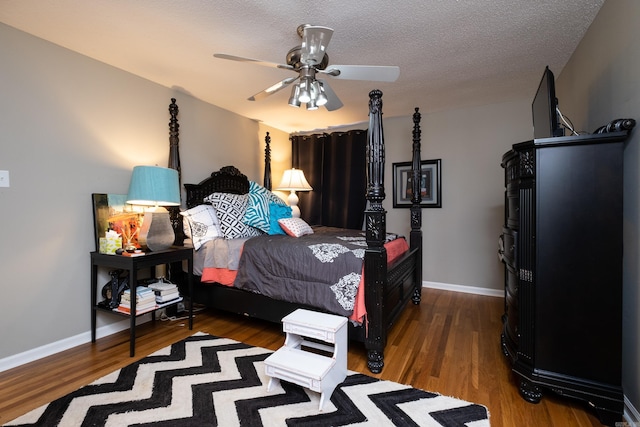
451,53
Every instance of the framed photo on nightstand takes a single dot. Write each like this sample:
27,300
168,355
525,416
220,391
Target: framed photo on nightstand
111,212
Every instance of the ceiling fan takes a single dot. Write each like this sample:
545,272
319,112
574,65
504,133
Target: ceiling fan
309,60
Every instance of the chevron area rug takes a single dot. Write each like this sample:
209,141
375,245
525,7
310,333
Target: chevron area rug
209,381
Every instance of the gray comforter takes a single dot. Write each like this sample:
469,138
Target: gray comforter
321,270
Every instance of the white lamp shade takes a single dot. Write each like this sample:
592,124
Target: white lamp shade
154,186
294,180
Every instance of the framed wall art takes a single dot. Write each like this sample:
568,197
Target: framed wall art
112,215
430,184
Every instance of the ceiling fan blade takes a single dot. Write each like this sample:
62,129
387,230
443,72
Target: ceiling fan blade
315,40
377,73
254,61
333,102
273,89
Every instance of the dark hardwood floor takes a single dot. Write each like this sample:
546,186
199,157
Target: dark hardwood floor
449,344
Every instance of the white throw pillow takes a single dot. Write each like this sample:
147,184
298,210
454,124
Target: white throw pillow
202,224
295,227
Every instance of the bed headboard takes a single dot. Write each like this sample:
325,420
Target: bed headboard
227,180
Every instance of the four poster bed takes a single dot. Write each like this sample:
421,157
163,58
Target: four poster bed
389,275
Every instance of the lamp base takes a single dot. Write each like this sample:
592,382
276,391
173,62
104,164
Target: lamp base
293,203
156,233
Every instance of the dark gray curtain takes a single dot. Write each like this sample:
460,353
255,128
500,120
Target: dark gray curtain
335,166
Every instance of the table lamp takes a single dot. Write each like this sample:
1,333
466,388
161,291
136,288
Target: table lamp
155,186
293,180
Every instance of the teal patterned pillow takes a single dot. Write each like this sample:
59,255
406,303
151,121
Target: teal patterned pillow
257,213
277,212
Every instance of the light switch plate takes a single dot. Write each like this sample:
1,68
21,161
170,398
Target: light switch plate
4,178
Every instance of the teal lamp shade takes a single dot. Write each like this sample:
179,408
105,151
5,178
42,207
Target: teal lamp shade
155,186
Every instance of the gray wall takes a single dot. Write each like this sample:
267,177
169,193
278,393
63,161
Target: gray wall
461,238
600,83
71,126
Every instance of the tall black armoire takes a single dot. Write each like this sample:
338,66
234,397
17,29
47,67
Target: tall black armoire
562,250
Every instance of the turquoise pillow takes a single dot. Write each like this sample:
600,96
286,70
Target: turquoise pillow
277,212
257,213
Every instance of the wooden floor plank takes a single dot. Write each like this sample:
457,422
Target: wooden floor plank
450,344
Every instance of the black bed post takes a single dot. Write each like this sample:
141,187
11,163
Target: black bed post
266,179
174,163
416,210
375,258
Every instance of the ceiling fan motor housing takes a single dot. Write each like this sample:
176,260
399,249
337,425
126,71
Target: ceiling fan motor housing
295,54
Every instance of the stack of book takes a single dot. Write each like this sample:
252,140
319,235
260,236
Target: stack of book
145,301
166,293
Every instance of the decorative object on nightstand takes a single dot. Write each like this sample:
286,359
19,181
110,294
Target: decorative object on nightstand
322,368
116,223
155,186
293,180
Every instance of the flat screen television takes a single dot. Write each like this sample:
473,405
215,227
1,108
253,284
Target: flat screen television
544,108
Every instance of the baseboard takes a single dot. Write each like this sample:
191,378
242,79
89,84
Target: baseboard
631,413
67,343
464,288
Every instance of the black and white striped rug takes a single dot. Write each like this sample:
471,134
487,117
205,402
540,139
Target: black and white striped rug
209,381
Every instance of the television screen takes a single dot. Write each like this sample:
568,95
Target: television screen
545,116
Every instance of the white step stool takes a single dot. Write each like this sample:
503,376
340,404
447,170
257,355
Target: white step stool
317,372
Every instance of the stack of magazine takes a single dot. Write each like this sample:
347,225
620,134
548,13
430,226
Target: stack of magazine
150,297
165,293
145,301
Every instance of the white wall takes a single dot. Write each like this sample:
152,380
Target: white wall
600,83
71,126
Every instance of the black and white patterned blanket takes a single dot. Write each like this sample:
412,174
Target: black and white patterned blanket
321,270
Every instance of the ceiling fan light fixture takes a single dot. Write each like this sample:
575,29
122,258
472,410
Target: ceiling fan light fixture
305,91
294,100
321,98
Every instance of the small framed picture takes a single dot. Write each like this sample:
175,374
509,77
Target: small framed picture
112,215
430,184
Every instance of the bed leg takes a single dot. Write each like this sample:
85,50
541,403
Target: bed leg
375,361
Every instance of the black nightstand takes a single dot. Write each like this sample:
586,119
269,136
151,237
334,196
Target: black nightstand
133,264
